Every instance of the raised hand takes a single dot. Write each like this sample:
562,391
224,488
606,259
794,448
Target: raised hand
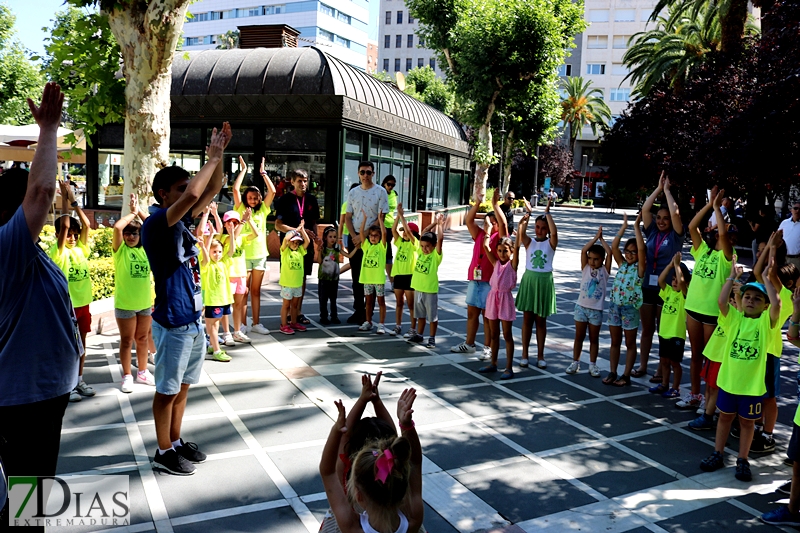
479,198
134,203
440,219
733,265
248,213
340,424
302,224
242,164
661,181
714,192
718,201
400,209
48,114
599,234
213,205
217,146
796,297
496,195
676,259
405,406
625,220
666,184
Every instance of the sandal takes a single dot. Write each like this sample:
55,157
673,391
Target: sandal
623,381
655,379
488,369
610,378
303,320
638,373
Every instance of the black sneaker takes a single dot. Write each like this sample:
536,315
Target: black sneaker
355,318
743,470
335,320
324,321
712,462
190,452
173,463
788,462
415,338
762,444
786,488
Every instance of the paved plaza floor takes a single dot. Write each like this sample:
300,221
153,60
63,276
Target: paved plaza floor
542,452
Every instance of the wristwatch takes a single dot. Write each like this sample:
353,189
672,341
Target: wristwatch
74,204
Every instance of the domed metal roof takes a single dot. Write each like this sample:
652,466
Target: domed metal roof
308,71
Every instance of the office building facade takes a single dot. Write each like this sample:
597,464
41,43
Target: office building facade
399,47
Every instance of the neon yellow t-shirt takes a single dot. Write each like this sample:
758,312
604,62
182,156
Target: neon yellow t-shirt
708,277
775,346
744,364
425,277
373,263
388,220
255,248
673,314
238,268
132,286
405,258
74,263
215,282
343,211
292,269
715,348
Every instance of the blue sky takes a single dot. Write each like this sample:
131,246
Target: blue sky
33,15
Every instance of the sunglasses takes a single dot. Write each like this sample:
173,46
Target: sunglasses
795,208
631,252
366,172
390,184
131,233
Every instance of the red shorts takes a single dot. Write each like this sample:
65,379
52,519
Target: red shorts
84,319
710,372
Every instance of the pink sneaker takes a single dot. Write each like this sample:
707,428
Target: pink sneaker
297,326
287,330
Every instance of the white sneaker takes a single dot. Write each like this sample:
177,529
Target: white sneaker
702,409
366,326
151,358
463,348
541,363
245,329
258,328
74,396
574,367
127,383
381,329
487,353
396,331
146,377
523,363
241,337
229,340
594,371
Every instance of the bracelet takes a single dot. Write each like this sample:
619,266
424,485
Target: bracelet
790,338
405,428
74,204
793,323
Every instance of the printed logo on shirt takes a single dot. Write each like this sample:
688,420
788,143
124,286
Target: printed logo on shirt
140,269
423,266
539,259
705,268
370,262
77,273
745,349
402,257
669,309
295,264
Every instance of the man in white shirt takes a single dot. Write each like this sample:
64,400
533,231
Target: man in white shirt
791,235
372,200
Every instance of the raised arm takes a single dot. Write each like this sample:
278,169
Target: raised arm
470,220
551,224
605,246
346,518
724,295
758,268
122,223
487,248
232,234
247,218
383,231
217,221
615,251
214,184
647,208
676,264
201,228
61,238
774,298
269,186
662,278
44,167
395,233
722,227
589,244
439,232
640,246
404,414
674,210
301,229
237,183
522,231
694,225
402,218
499,216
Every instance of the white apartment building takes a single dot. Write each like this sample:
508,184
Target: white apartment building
399,48
337,26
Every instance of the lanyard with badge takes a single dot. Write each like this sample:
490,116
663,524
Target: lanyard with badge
659,242
300,207
477,274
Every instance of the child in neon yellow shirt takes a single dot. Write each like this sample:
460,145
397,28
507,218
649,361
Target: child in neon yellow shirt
292,276
425,280
373,273
403,270
741,376
217,294
672,327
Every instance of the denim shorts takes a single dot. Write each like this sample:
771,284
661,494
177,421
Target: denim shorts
584,314
626,316
747,407
179,356
477,293
260,263
287,293
374,288
124,314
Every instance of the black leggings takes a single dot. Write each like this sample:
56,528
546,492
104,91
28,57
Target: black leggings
328,289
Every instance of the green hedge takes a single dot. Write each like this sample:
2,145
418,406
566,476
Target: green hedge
102,273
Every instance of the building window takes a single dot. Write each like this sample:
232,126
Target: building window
326,36
619,69
191,41
597,41
410,19
598,15
420,62
216,15
432,63
343,18
398,41
565,70
387,41
624,15
386,65
621,41
620,95
397,65
273,10
388,17
595,68
341,41
436,191
410,40
408,64
399,17
200,17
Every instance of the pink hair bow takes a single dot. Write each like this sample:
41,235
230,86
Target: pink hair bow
383,465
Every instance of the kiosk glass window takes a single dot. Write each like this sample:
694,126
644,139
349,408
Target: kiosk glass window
436,172
111,175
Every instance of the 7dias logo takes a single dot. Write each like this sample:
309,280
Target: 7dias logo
73,501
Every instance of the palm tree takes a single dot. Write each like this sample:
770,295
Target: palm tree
732,18
582,106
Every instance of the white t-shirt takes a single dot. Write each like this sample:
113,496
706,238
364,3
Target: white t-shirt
593,287
373,200
791,235
540,256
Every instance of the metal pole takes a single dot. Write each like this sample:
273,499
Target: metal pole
536,179
502,154
584,163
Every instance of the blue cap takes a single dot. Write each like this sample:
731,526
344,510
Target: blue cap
755,286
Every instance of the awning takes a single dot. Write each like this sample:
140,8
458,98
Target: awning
30,133
25,153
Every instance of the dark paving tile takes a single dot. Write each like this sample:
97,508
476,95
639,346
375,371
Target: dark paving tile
718,517
217,485
537,432
280,520
474,446
300,468
88,450
609,470
289,426
474,366
96,370
333,353
482,401
765,502
318,508
658,407
263,394
94,411
548,391
398,350
434,523
200,402
584,379
437,376
673,450
614,420
212,435
509,490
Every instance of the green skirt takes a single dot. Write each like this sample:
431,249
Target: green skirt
537,293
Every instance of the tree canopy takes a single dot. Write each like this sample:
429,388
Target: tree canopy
423,84
20,78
